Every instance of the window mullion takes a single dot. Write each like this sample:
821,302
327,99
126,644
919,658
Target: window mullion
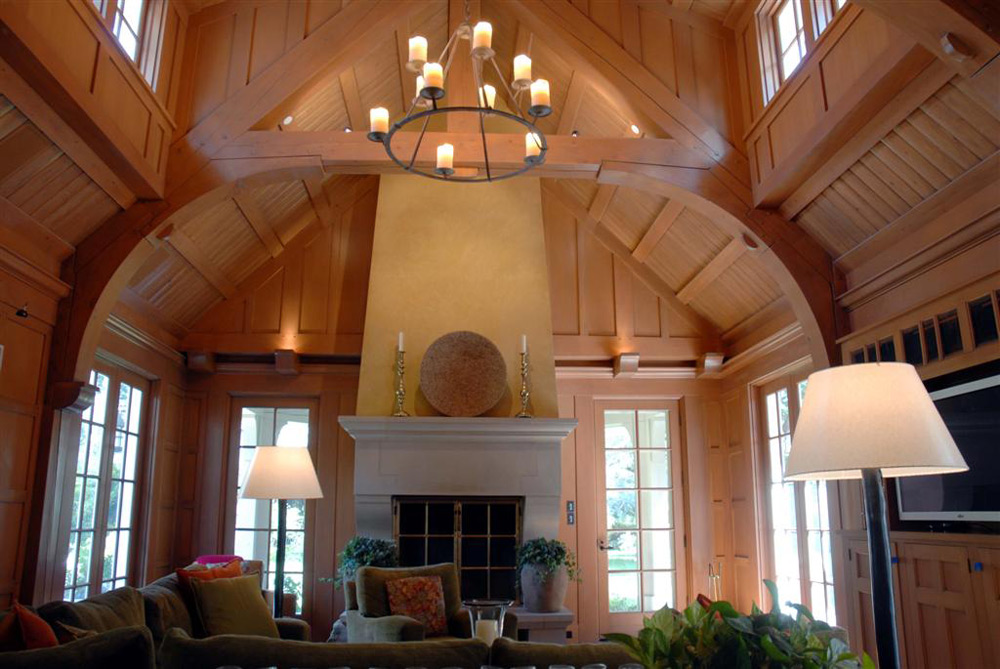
808,23
803,541
104,483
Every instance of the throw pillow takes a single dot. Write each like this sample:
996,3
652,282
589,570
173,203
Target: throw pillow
229,570
233,606
68,633
420,598
22,629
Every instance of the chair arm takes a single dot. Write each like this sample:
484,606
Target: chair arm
460,625
361,629
293,628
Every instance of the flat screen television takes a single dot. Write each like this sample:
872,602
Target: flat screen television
971,410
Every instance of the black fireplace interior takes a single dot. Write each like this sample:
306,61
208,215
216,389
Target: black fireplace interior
479,534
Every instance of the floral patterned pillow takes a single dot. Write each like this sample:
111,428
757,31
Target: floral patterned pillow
420,598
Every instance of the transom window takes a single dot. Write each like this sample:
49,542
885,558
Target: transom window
798,513
791,37
124,19
256,529
102,522
788,31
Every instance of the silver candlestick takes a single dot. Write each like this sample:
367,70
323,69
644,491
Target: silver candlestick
525,393
400,393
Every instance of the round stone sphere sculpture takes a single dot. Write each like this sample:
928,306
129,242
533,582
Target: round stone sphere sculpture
463,374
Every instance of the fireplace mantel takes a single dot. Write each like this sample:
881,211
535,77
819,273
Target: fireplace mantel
431,455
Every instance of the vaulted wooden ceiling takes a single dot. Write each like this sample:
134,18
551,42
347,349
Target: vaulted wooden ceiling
202,259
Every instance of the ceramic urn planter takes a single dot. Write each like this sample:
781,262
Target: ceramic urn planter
543,594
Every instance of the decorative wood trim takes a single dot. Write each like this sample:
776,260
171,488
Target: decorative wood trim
134,335
286,362
732,252
258,221
775,342
352,100
569,373
41,280
660,226
195,256
602,200
574,98
321,204
73,396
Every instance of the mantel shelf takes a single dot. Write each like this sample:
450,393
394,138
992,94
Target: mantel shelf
470,430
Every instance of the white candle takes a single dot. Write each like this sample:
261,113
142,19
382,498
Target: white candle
420,83
522,68
532,145
445,157
379,118
418,49
487,96
487,631
540,93
482,35
434,76
524,343
399,342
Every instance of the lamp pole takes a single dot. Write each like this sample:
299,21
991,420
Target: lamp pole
279,559
879,555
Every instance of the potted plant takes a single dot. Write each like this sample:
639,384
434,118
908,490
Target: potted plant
545,568
714,635
364,552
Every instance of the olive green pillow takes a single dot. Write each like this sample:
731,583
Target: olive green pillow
233,606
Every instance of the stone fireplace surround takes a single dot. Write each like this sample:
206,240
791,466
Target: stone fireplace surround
457,457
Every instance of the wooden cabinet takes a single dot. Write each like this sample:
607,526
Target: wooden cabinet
939,610
947,598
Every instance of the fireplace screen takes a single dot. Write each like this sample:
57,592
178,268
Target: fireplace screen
479,534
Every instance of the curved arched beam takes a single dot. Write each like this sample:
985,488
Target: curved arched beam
803,270
107,260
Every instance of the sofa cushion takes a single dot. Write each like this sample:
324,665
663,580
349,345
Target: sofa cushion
179,651
22,629
507,653
67,633
420,598
130,647
122,607
373,599
165,607
232,606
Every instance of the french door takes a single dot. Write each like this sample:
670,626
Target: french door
640,512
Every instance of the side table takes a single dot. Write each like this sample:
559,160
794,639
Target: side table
542,627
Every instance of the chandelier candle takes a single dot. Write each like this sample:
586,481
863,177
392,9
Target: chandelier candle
487,96
434,77
418,51
379,120
482,35
522,71
540,100
532,151
445,159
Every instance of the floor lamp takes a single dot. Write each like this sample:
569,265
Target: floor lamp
281,473
864,422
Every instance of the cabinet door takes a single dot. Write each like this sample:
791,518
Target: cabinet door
986,583
859,605
939,613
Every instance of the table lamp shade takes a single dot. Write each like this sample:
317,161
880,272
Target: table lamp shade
280,472
870,416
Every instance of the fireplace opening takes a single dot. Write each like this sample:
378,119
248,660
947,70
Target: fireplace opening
479,534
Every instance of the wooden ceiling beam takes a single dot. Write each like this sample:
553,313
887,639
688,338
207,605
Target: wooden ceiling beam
461,79
602,200
45,244
571,109
257,220
352,100
321,204
583,155
201,263
607,238
406,78
334,46
29,103
586,45
664,220
732,252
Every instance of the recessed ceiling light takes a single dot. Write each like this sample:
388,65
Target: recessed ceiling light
287,120
575,133
635,129
347,128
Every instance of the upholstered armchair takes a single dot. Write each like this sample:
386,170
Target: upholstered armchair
372,621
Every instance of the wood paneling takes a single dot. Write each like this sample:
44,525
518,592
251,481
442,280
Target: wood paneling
99,90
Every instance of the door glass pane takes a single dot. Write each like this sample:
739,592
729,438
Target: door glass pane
623,591
619,429
657,509
652,429
622,509
620,466
658,549
657,590
623,551
654,469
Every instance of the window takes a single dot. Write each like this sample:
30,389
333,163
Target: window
798,513
639,501
124,19
788,30
256,529
102,520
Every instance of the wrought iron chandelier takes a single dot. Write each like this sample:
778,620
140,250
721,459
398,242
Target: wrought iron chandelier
431,88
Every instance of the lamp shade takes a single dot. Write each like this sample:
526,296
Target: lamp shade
870,416
280,472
